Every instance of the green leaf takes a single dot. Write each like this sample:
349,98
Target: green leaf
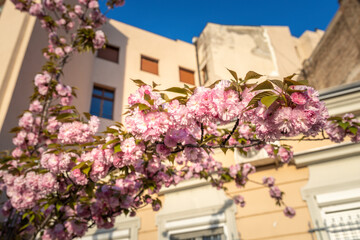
15,130
154,85
344,125
224,150
25,226
148,99
65,116
32,217
262,86
177,90
25,215
290,82
214,84
87,115
259,96
138,82
86,170
68,187
142,106
304,82
165,97
252,75
117,148
78,166
353,130
268,100
233,73
110,142
289,77
278,83
335,118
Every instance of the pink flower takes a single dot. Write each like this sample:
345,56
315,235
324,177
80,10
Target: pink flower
298,98
275,192
17,152
43,89
282,119
99,39
289,212
78,10
66,101
41,79
59,51
27,120
269,181
36,106
78,177
128,145
238,199
233,170
162,150
53,125
36,9
20,138
93,4
285,155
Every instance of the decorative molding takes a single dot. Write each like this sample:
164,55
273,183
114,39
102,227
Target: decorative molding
126,228
327,153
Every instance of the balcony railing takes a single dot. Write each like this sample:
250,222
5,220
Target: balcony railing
341,229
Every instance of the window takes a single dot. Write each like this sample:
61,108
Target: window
149,65
342,221
109,53
102,102
209,234
187,76
204,75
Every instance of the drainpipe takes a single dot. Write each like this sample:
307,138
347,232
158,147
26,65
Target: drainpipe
195,42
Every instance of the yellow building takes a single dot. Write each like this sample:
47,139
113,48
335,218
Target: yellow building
322,181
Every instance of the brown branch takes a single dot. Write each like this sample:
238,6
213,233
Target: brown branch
254,143
231,133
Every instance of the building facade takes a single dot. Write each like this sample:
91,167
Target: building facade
193,209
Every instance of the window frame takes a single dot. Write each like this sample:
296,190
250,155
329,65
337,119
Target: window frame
151,59
103,89
109,46
200,234
186,70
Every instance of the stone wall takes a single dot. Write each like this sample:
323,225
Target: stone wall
336,59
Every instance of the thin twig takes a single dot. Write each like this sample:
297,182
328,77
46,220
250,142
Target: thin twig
231,133
202,133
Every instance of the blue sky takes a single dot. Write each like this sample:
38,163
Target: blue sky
187,18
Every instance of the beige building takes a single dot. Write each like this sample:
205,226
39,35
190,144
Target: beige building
193,209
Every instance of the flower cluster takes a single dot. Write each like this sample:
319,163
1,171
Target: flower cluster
24,191
338,128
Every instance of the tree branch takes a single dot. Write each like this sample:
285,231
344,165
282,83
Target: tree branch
231,133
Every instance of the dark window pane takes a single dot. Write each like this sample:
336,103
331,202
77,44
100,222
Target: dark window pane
107,109
97,91
213,237
109,94
95,106
109,53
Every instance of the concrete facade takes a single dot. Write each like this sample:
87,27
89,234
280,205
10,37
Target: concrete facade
336,60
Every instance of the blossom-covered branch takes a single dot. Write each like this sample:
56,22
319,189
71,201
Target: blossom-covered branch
63,178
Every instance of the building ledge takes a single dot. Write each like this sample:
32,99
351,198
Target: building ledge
327,153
